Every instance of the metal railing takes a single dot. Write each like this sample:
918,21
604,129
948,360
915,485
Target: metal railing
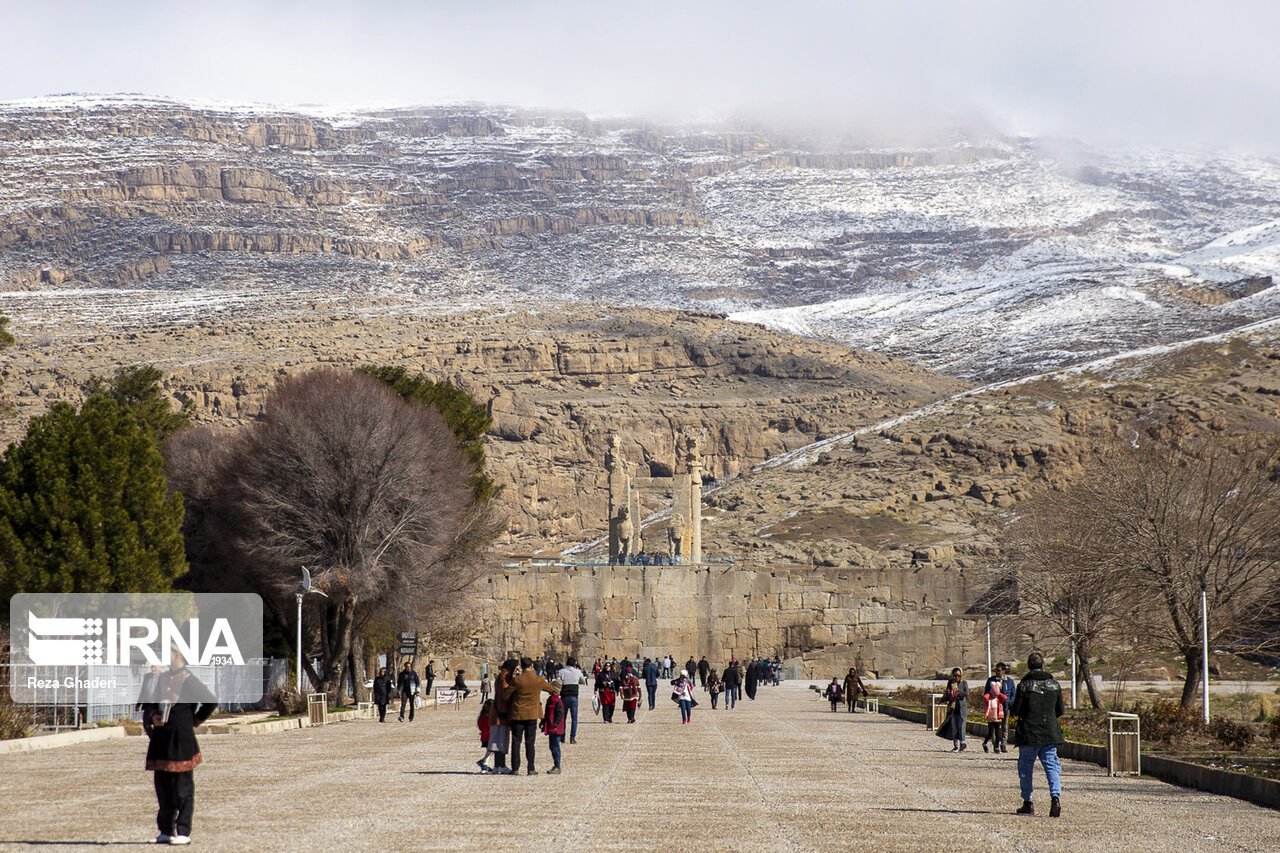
99,693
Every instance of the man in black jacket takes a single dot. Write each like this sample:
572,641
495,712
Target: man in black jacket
407,686
703,669
1038,705
382,687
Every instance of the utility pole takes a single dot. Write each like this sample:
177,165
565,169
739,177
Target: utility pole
1204,639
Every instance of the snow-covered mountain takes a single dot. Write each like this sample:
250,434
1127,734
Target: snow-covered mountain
985,257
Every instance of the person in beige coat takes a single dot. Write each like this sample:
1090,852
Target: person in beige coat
526,710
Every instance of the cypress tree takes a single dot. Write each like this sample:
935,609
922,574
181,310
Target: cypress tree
84,505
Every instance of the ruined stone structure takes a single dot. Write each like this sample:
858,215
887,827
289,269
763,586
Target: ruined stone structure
683,537
821,620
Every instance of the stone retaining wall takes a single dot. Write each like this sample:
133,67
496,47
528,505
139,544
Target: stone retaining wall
823,620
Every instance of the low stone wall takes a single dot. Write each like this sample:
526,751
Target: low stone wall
822,620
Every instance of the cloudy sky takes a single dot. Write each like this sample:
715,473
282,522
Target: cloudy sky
1166,72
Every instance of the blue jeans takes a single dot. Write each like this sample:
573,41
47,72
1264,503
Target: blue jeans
1048,755
653,693
554,742
686,710
570,709
731,697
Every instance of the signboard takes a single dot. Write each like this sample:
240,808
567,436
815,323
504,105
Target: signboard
411,649
407,637
446,697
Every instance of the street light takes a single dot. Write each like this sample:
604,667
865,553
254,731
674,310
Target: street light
306,588
1204,637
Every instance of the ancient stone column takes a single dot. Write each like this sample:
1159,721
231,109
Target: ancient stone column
694,530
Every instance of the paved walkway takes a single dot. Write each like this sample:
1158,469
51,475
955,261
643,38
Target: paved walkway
782,773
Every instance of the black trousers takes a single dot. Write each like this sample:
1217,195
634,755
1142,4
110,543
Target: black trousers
176,796
528,731
406,699
382,712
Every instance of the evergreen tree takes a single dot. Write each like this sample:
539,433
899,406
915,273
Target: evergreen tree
138,389
84,505
6,337
467,418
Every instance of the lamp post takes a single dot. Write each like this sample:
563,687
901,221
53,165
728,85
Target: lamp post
988,645
1204,638
306,588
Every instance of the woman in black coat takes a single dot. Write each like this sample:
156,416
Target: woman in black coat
383,687
753,678
956,695
182,703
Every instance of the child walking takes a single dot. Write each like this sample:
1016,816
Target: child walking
834,694
553,724
483,724
994,714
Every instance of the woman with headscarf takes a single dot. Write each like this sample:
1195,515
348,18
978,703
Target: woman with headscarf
956,695
500,716
714,687
607,690
180,703
630,690
682,692
753,679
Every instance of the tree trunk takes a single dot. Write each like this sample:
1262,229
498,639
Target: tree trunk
1086,675
1192,684
341,625
358,669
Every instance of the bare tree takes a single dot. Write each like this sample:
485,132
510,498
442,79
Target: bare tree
1058,573
368,491
1159,515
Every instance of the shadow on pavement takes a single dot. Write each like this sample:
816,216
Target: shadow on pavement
945,811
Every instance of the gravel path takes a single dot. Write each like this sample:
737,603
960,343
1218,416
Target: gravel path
781,773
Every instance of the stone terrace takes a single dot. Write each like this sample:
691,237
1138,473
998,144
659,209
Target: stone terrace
782,773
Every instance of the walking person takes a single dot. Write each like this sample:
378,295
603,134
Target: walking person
753,678
484,722
956,695
571,679
553,725
834,692
500,718
650,673
407,687
714,687
703,669
526,710
382,688
1038,704
607,691
682,692
994,703
429,676
666,666
691,667
732,684
182,703
630,690
1006,686
852,689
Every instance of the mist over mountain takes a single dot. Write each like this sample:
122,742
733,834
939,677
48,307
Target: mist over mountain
970,252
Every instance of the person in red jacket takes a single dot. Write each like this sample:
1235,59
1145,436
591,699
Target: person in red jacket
553,723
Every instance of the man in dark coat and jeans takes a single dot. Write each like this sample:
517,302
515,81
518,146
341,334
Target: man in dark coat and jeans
526,710
407,686
1038,705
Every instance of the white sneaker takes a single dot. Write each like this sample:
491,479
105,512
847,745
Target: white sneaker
180,839
163,839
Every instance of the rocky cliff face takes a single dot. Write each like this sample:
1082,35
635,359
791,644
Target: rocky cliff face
558,384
